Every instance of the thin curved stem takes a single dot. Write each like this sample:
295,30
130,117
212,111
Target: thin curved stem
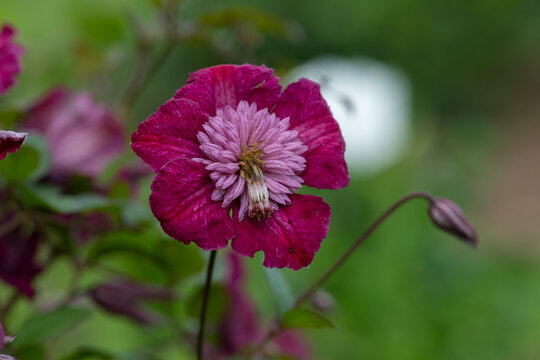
337,264
418,194
206,297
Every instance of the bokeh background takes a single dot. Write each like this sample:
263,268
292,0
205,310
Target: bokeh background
469,83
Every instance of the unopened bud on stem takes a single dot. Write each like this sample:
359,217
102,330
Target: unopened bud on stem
446,215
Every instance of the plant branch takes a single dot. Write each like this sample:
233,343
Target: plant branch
206,297
306,295
337,264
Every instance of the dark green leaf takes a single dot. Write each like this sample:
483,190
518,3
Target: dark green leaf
301,318
183,260
88,354
29,163
30,352
44,326
49,197
217,303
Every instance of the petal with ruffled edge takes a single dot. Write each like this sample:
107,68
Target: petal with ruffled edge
10,142
217,86
309,114
290,238
181,201
169,133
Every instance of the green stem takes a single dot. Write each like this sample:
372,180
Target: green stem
206,297
337,264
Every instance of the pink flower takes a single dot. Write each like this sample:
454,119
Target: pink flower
10,54
241,326
230,150
10,142
83,136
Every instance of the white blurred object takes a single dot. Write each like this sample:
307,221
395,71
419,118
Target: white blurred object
370,101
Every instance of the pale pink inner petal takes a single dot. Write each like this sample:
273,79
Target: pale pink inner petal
252,156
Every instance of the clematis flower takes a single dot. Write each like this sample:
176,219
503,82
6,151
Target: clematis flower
10,54
10,142
18,249
241,326
230,150
83,136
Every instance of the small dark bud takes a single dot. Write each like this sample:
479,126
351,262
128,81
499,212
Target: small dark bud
125,297
446,215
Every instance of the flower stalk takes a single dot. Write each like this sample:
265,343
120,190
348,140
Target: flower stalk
204,306
461,229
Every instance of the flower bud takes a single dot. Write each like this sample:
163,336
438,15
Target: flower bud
125,297
446,215
322,301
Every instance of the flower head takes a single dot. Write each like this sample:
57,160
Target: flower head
10,54
83,136
231,142
10,142
446,215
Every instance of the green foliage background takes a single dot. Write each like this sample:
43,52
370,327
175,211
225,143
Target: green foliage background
411,292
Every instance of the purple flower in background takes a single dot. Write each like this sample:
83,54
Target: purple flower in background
10,142
126,297
10,54
241,328
83,136
18,247
231,141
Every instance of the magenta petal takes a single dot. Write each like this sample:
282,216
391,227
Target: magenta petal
169,133
181,201
10,142
291,237
292,344
309,114
217,86
10,53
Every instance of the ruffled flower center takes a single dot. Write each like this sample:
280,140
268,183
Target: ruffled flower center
252,155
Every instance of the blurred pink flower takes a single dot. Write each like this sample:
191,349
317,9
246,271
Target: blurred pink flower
18,248
10,54
231,142
83,136
241,327
10,142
